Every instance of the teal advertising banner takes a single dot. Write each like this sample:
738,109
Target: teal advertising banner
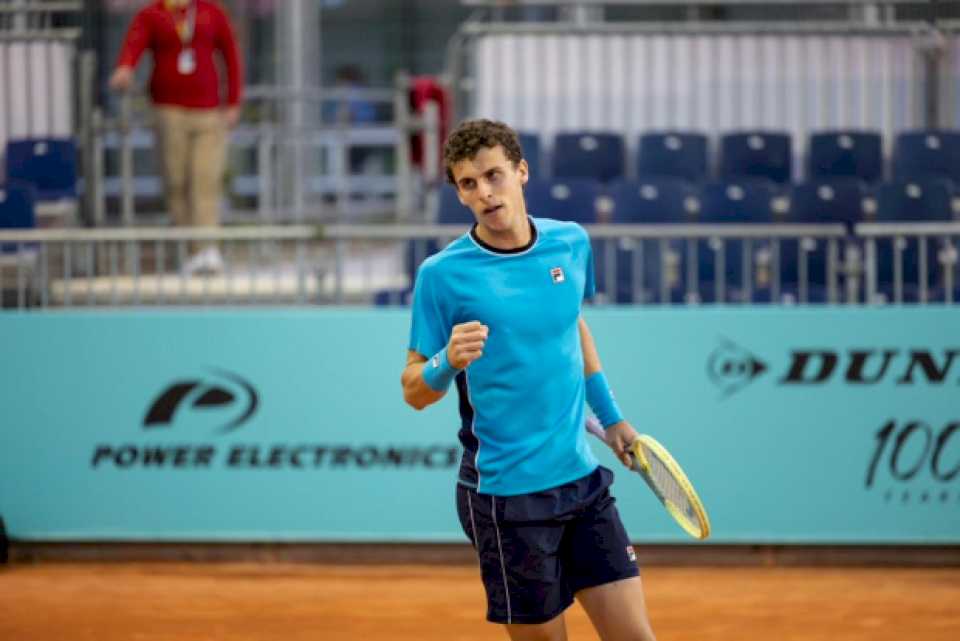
838,425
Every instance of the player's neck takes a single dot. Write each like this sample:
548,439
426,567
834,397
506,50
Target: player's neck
517,236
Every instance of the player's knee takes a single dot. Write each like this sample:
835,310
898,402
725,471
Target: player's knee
549,631
646,634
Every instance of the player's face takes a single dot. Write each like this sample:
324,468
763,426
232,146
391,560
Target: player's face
492,187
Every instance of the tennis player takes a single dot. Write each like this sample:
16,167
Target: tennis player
497,312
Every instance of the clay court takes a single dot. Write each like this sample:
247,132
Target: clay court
175,601
243,242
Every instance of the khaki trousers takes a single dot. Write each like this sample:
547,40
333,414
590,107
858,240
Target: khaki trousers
193,149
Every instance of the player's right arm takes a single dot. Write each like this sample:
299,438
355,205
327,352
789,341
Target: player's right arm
465,346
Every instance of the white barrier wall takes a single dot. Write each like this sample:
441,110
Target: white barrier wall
36,89
632,83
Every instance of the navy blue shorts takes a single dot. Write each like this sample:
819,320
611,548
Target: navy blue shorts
537,550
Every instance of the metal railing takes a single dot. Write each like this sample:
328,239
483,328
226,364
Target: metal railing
922,257
36,17
358,263
280,181
763,253
588,3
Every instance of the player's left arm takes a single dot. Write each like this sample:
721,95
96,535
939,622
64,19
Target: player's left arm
618,432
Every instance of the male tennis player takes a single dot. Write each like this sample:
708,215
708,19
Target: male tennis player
498,311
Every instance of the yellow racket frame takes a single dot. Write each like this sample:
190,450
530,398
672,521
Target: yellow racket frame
691,528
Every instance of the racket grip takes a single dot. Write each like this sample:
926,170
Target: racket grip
595,428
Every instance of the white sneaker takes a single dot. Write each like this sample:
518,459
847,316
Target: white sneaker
214,262
206,262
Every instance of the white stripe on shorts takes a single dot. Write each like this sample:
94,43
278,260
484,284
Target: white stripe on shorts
473,525
503,567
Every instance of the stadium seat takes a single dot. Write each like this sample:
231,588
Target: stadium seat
855,154
572,199
530,144
737,201
929,153
740,202
648,271
823,201
678,154
921,200
449,212
597,155
654,199
17,211
756,154
415,252
49,164
391,297
827,200
17,203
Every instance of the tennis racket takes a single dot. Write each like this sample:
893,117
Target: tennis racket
661,472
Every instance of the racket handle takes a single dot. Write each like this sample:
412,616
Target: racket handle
595,428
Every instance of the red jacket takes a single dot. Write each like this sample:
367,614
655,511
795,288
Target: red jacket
154,28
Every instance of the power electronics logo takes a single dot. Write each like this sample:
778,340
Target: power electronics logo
219,402
224,391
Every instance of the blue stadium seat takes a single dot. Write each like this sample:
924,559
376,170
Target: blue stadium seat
573,199
920,200
532,153
826,200
391,297
648,271
49,164
679,154
17,210
654,199
756,154
585,154
855,154
929,153
737,201
742,202
823,201
449,212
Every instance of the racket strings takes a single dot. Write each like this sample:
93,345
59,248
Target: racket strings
671,490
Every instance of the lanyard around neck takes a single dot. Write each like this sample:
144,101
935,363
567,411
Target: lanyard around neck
186,28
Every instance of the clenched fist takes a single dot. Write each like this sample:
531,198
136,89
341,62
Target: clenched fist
466,343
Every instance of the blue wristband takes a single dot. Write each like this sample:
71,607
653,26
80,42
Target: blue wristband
601,401
438,373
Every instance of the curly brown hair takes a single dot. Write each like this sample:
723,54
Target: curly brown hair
471,135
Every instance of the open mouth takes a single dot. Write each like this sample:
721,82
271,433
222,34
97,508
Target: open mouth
491,210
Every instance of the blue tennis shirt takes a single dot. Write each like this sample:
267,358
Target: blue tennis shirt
522,401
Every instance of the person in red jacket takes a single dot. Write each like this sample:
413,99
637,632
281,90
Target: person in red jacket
192,122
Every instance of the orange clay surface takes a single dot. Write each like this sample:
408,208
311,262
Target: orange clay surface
297,602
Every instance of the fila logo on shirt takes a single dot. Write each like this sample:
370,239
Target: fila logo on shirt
557,275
